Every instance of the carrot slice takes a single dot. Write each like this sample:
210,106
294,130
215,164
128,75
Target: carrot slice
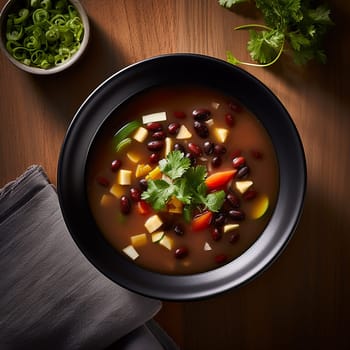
202,221
218,180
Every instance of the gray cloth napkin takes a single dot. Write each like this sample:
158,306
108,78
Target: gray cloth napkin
51,297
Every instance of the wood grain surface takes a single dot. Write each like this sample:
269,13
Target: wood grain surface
303,300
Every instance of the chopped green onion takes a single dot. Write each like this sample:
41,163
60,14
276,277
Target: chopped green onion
23,14
45,34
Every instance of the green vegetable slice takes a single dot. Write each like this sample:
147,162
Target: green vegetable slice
125,132
122,144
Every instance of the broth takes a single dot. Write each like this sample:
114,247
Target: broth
189,238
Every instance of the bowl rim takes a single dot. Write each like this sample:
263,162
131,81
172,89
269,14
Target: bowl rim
256,259
59,68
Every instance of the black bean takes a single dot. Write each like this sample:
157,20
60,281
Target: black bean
179,230
219,219
234,238
179,147
201,129
236,214
208,148
242,172
232,200
143,184
219,149
201,114
192,158
216,161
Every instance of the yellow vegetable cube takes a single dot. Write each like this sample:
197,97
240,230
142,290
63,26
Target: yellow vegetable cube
142,170
134,157
221,134
107,200
175,206
124,177
116,190
155,174
138,240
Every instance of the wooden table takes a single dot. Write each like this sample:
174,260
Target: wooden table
303,300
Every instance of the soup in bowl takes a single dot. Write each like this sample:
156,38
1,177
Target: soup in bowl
181,177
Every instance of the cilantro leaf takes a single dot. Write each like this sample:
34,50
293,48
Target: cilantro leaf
196,175
215,200
175,165
265,45
186,183
158,193
183,191
230,3
298,40
320,15
288,23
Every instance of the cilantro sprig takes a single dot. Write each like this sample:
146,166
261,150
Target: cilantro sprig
185,182
293,25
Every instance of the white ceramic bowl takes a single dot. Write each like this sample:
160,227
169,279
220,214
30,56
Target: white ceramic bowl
15,5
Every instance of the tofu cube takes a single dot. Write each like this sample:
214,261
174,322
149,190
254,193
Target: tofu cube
140,134
153,223
131,252
183,133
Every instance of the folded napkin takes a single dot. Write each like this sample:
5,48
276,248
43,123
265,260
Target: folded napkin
51,297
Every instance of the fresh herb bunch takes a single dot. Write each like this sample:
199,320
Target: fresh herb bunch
185,182
297,24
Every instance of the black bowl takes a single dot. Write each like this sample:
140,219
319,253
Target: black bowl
168,69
